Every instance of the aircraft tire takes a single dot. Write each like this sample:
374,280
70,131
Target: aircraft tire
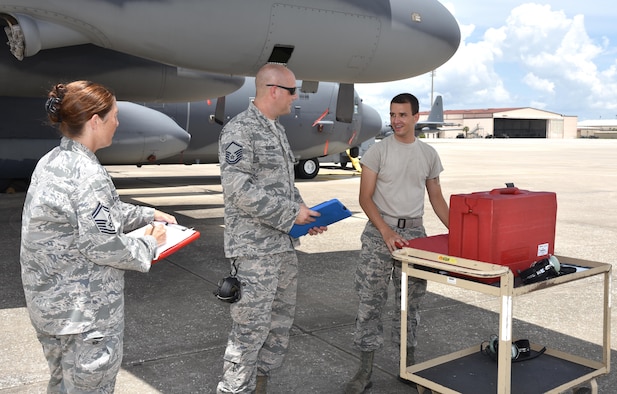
354,152
307,169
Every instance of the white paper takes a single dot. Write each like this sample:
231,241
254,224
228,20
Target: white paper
175,234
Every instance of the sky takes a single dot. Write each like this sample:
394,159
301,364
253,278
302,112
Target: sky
558,56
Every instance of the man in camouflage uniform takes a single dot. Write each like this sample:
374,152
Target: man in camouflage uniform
395,173
74,253
261,206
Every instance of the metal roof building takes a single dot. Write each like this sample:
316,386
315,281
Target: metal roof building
600,128
505,123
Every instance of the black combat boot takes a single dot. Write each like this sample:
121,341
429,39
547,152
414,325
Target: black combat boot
362,379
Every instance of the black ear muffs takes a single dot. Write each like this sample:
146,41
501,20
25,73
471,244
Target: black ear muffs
519,350
541,270
229,290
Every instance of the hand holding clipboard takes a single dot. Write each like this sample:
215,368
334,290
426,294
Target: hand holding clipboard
177,237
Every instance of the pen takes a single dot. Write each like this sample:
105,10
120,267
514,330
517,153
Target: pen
181,227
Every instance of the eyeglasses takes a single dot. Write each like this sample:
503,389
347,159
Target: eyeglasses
291,91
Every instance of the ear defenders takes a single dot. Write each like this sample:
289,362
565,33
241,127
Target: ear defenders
519,349
229,290
541,270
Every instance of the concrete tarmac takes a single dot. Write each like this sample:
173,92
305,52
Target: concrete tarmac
176,329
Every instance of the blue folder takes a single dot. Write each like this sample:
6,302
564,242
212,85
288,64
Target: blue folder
331,212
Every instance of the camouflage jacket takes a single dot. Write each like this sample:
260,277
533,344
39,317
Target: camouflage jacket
257,175
73,251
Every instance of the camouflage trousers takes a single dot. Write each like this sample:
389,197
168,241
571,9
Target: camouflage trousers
262,319
82,363
373,274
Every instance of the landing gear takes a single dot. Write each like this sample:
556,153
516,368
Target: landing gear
349,156
354,152
307,169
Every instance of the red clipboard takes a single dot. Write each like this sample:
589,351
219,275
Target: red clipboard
161,255
177,238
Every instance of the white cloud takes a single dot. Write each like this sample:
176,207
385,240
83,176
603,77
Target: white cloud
524,55
539,84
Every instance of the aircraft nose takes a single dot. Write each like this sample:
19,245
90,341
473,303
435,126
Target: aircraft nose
166,139
371,123
144,135
421,32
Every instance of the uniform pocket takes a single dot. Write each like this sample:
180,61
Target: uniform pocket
97,360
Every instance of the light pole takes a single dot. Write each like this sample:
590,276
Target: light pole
432,77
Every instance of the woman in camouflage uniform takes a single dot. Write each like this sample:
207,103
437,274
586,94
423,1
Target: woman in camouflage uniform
73,248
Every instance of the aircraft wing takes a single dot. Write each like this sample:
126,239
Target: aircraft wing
236,37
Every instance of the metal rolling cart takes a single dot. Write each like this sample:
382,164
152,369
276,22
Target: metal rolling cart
469,371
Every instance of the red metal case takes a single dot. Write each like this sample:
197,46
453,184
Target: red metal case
506,226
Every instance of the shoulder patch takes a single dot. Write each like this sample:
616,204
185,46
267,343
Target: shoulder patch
233,153
102,220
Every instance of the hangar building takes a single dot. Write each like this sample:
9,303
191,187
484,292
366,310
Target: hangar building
504,123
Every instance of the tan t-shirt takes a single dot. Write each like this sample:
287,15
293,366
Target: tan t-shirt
402,170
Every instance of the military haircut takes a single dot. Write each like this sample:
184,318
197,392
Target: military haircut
407,98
